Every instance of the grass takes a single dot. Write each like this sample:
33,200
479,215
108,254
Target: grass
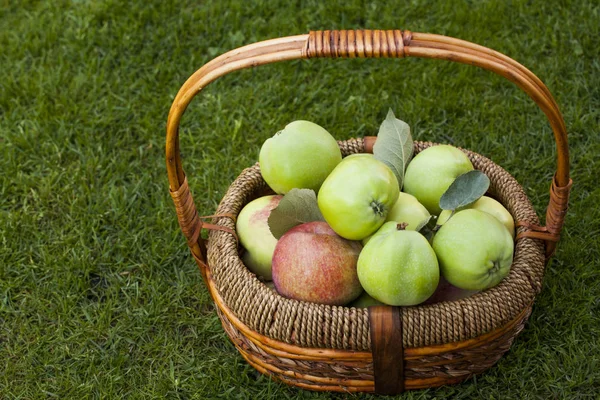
99,296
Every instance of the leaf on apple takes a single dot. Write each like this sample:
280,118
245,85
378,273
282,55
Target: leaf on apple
423,223
465,189
394,145
297,207
427,227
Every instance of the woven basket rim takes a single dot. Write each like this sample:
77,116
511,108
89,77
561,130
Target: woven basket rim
338,327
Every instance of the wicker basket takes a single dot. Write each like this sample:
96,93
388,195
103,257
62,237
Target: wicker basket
379,349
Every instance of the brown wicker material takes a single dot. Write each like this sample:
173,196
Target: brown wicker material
324,347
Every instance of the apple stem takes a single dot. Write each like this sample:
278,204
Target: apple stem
402,226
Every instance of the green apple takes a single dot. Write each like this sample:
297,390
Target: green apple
398,267
365,301
474,249
255,236
385,228
490,206
408,209
300,156
432,171
357,196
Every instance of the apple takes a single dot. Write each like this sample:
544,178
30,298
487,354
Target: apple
385,228
365,301
408,209
255,236
432,171
357,196
300,156
474,249
398,267
490,206
312,263
448,292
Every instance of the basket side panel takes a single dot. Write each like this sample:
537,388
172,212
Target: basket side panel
357,376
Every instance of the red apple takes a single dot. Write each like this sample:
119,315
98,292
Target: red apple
312,263
445,291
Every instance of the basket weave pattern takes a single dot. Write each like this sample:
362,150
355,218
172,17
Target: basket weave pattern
321,326
448,367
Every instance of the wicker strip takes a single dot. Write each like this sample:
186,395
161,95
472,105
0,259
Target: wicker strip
555,215
357,43
386,345
558,207
187,215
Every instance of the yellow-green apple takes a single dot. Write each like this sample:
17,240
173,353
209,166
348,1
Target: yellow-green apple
300,156
357,196
432,171
490,206
255,236
474,249
312,263
408,209
365,301
398,267
383,229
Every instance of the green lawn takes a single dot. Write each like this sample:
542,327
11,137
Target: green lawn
99,296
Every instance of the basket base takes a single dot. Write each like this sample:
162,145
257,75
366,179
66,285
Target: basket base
352,371
443,368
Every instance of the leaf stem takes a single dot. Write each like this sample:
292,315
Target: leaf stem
438,226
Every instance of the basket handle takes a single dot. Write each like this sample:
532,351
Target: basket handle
367,44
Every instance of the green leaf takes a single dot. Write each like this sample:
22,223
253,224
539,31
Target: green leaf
297,207
465,189
423,223
427,227
394,145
